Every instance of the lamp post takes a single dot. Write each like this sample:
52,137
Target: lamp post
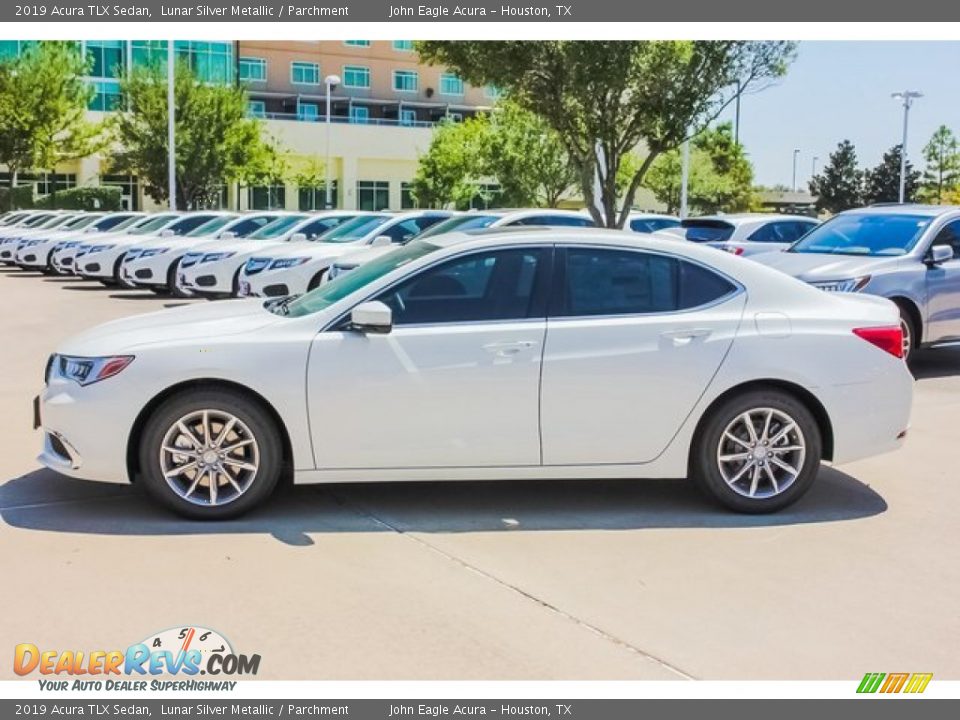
796,153
330,81
171,131
813,166
908,96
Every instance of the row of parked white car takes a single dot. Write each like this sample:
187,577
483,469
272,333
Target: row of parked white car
277,253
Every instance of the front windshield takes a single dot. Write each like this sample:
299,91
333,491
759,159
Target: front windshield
277,227
37,221
340,287
461,223
56,221
157,222
211,226
355,229
115,223
864,234
81,222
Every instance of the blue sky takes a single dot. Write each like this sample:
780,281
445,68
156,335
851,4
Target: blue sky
838,90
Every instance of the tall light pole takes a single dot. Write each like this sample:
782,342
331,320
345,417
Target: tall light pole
813,166
908,96
171,131
331,81
796,153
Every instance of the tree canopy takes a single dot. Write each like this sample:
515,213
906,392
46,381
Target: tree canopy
882,183
839,185
942,174
616,96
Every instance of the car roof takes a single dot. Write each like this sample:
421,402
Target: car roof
904,209
744,218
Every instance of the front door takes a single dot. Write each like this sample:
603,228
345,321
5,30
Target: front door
456,382
943,289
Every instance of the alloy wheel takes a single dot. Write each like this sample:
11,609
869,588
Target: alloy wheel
209,457
761,453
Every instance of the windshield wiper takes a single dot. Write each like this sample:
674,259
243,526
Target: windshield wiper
282,306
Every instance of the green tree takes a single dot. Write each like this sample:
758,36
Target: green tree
525,157
216,143
43,105
267,166
839,186
615,96
721,176
882,183
942,173
449,172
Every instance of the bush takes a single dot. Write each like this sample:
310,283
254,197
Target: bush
83,198
16,199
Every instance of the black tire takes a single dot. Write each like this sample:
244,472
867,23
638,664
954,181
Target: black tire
172,281
250,413
704,455
235,285
910,331
117,279
316,280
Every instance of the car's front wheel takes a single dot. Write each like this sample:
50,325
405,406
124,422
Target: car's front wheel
757,452
210,454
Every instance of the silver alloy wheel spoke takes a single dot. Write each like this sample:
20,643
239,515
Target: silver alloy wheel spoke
761,462
220,465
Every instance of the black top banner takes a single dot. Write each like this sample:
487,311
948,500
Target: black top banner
261,11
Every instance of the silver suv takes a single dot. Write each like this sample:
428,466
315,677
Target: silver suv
907,253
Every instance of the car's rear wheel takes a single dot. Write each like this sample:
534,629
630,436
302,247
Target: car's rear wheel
910,331
210,454
757,452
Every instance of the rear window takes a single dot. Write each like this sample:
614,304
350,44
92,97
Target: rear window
706,230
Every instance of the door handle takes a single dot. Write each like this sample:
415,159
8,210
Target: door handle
686,334
509,348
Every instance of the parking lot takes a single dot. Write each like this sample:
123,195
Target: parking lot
510,580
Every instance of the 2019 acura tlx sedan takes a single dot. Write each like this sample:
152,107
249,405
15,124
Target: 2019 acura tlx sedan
536,353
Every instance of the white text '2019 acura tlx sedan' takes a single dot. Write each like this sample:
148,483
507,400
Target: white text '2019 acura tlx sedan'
527,354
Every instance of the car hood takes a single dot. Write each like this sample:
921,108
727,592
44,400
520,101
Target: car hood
312,250
371,253
205,321
814,267
239,245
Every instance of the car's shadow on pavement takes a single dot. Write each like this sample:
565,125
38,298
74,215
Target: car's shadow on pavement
936,363
44,500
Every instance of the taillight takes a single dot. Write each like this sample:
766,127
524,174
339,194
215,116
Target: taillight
736,250
888,338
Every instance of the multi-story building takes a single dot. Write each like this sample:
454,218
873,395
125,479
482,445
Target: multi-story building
382,113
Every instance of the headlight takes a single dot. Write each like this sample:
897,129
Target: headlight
849,285
88,370
153,251
99,248
210,257
282,263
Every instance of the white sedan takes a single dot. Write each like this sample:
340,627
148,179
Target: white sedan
68,255
28,227
214,271
300,267
36,252
504,355
744,233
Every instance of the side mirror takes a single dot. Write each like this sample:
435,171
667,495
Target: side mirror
938,254
298,237
382,240
166,233
372,317
227,235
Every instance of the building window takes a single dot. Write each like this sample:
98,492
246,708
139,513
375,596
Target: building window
454,117
107,95
106,58
210,62
403,45
357,43
253,69
359,114
408,117
450,84
257,108
373,195
493,92
356,76
406,80
308,111
304,73
407,201
48,183
267,197
315,198
10,49
129,192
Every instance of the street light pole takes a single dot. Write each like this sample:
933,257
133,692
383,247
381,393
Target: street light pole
908,96
330,81
813,166
171,131
796,153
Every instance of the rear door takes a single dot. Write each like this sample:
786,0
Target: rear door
633,340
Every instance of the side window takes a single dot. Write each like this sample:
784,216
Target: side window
190,223
599,281
555,221
403,231
497,285
699,286
800,229
316,228
770,232
950,235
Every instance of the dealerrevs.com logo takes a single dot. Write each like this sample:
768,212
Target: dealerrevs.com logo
891,683
184,651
